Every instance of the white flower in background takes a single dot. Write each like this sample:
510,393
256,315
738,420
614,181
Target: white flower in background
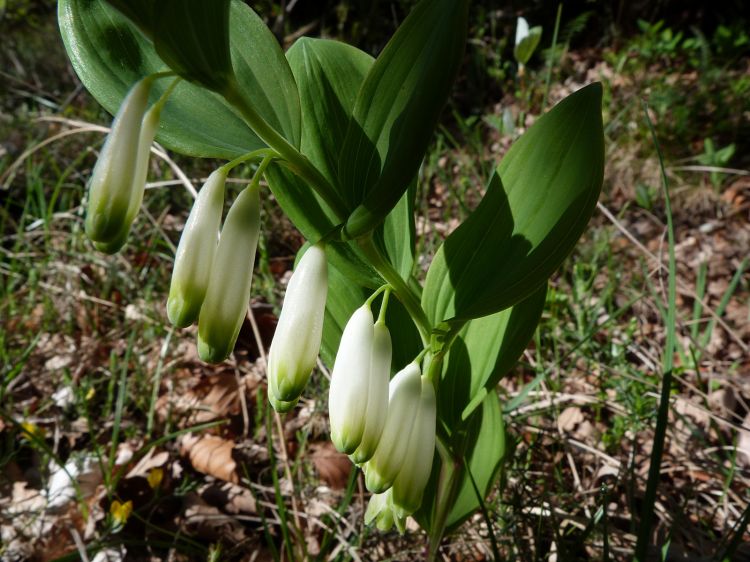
228,292
527,40
195,254
296,343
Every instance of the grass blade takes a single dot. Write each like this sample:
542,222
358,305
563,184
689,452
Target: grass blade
647,511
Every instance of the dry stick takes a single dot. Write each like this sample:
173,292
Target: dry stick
684,286
277,419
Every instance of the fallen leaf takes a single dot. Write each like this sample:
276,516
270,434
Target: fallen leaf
333,467
213,456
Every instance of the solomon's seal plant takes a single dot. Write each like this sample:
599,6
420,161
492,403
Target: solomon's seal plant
339,138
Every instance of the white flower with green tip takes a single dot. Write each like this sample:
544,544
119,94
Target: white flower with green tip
410,483
194,258
404,394
228,292
296,343
113,179
358,397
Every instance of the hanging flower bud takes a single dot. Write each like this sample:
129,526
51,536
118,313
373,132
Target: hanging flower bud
195,254
145,140
112,181
405,390
347,397
358,398
415,472
228,292
380,510
376,410
296,343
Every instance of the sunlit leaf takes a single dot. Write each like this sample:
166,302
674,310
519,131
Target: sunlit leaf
397,109
109,54
527,223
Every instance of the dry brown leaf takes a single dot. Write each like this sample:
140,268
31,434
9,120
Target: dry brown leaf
211,398
230,497
213,456
208,522
569,418
743,443
149,461
333,467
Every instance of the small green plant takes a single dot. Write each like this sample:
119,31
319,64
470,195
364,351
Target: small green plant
339,137
715,158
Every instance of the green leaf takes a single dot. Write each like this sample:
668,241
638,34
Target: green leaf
485,459
110,54
329,75
140,12
526,47
192,37
527,223
397,109
397,235
484,351
344,297
482,442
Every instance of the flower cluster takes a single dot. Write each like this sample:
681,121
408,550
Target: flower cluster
213,264
388,428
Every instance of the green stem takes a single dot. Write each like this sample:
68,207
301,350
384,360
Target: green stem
447,489
259,154
296,161
399,286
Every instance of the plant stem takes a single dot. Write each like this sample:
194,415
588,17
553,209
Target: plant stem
399,286
296,161
447,489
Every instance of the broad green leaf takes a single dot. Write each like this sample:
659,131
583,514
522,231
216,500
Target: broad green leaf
482,442
397,235
192,37
485,459
344,297
397,109
484,351
529,221
329,75
110,54
140,12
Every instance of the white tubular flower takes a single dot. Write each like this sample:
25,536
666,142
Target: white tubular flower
228,292
404,395
380,510
415,472
145,140
347,397
112,181
376,411
296,343
195,254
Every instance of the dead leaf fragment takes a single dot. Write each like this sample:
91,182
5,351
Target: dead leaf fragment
333,467
213,456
